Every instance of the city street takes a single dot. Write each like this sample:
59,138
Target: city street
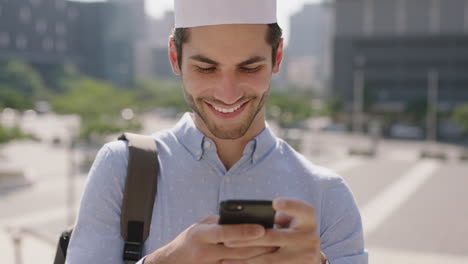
413,210
71,71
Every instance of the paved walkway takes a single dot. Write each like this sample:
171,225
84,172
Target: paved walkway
393,191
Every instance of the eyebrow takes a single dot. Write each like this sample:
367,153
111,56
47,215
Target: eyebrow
252,61
204,59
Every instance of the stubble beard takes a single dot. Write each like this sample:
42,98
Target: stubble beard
217,129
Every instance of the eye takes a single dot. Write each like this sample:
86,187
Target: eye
206,70
250,70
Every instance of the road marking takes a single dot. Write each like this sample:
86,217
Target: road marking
397,256
382,206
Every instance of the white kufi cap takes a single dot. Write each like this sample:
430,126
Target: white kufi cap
195,13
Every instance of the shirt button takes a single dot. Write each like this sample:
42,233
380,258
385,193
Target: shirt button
227,180
207,144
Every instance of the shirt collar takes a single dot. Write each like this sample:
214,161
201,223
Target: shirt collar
262,144
193,140
189,135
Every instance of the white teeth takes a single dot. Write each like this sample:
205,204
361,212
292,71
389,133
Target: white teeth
222,110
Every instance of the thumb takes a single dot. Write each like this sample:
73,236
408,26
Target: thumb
211,219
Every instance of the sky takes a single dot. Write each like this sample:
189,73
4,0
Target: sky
286,8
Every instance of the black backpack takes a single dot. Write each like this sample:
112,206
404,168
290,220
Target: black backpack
138,199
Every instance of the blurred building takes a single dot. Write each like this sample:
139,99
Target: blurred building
304,61
389,47
158,33
159,29
37,32
105,38
101,38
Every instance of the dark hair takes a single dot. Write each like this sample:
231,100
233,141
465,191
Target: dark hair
273,37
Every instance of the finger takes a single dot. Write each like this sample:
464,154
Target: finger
283,220
241,253
272,238
302,212
280,238
211,219
260,259
279,257
214,233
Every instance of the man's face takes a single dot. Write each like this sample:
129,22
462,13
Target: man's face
226,73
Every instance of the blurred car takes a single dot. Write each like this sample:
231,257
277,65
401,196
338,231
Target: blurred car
42,107
335,127
406,132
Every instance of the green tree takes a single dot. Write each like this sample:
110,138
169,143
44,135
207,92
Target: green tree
290,107
20,85
99,104
11,98
8,134
161,94
65,76
334,106
460,116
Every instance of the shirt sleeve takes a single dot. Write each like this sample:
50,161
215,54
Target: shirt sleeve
341,234
96,236
141,260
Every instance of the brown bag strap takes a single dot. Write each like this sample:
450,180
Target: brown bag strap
139,194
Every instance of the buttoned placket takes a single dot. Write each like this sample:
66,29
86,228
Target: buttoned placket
227,178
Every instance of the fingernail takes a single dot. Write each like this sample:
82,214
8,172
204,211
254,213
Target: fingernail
256,231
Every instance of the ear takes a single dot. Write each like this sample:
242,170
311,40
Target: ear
173,56
279,57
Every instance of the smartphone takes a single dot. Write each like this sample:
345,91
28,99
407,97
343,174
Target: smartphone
247,212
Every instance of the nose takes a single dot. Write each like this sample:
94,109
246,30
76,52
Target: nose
228,90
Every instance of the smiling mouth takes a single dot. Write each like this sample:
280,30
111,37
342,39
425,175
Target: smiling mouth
227,110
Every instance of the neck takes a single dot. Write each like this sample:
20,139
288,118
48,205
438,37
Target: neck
230,150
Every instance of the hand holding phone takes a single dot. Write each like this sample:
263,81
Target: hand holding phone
300,244
247,212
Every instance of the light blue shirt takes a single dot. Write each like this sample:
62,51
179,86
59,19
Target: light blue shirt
193,181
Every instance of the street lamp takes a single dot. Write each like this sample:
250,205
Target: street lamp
431,150
73,127
358,94
432,101
358,109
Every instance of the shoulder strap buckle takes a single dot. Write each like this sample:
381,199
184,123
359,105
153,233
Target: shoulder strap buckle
132,251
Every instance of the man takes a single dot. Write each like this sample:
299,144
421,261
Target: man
225,52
